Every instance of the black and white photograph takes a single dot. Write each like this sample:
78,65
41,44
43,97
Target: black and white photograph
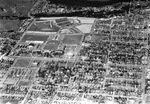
74,51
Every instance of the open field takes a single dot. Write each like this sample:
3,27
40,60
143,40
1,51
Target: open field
18,8
22,62
22,7
66,31
41,38
8,101
72,39
74,30
63,24
9,25
24,83
44,27
52,45
86,20
53,42
85,28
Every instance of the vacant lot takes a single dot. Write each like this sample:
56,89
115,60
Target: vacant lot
72,39
22,62
42,38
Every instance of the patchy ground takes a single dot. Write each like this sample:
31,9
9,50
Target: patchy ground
10,8
9,24
17,7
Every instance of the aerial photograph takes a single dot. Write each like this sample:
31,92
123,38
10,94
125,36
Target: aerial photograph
74,51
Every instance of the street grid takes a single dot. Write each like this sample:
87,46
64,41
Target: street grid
108,64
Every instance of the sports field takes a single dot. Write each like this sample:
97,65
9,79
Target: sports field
52,45
72,39
42,38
